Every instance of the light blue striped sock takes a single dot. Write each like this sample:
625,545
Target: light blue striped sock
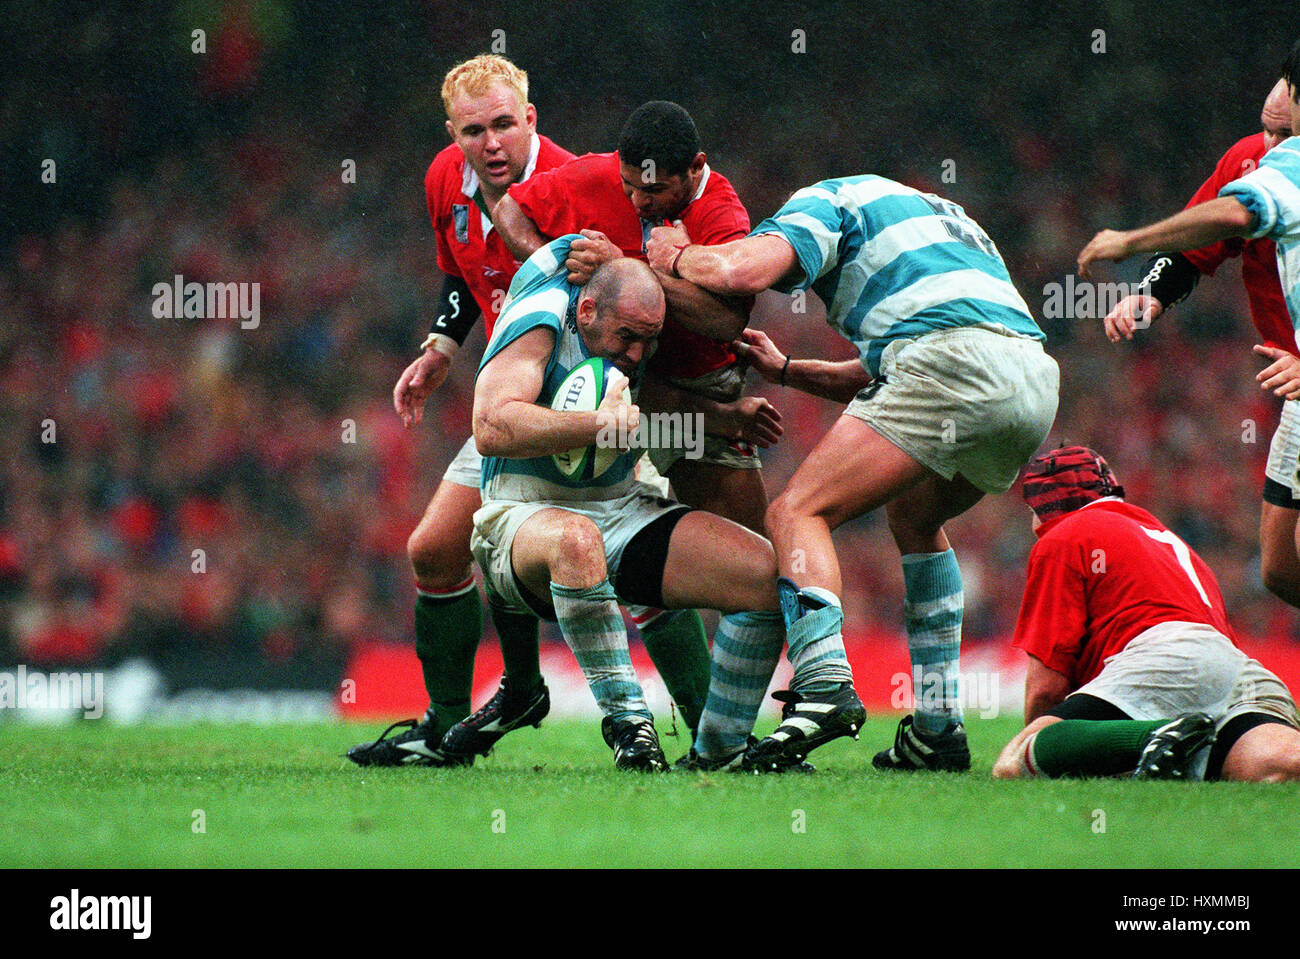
813,631
932,611
746,649
593,627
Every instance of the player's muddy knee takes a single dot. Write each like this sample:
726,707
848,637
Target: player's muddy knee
578,550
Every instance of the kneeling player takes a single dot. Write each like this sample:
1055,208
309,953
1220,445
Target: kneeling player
566,548
1132,668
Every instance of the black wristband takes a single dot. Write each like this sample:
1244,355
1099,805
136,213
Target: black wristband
784,368
457,310
1170,277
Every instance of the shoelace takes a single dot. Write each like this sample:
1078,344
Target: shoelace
495,703
645,735
408,723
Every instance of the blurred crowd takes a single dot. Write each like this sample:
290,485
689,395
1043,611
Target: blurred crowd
171,486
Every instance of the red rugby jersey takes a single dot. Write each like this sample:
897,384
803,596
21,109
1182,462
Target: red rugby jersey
1258,257
1099,576
459,227
587,194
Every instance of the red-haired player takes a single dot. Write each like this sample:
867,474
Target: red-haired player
495,143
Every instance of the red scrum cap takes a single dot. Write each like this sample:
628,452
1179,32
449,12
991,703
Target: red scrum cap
1066,479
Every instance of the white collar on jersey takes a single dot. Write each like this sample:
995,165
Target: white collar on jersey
704,181
469,179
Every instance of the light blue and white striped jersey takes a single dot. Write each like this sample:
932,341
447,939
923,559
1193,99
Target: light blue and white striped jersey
1272,193
890,261
541,296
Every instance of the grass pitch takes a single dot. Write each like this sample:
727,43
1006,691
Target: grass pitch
95,795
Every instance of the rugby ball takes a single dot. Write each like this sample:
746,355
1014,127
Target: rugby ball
582,391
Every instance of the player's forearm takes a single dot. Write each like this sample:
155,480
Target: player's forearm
1045,688
717,417
519,430
839,381
517,230
711,315
726,269
1192,229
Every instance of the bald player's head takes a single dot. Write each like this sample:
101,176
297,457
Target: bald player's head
621,311
1275,118
625,282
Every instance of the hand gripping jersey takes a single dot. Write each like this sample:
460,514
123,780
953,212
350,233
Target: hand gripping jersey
542,296
890,261
1258,257
468,246
1101,575
587,194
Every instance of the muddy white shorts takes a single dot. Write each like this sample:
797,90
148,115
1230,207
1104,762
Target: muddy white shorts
975,400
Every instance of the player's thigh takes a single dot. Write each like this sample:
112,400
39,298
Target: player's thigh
737,494
852,471
1267,753
917,514
714,563
441,538
1277,542
557,544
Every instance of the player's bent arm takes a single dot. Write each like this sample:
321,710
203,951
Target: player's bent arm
517,230
703,312
840,381
1192,229
507,418
742,267
1045,689
1189,230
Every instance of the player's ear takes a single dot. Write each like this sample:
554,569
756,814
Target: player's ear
451,130
530,117
697,165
